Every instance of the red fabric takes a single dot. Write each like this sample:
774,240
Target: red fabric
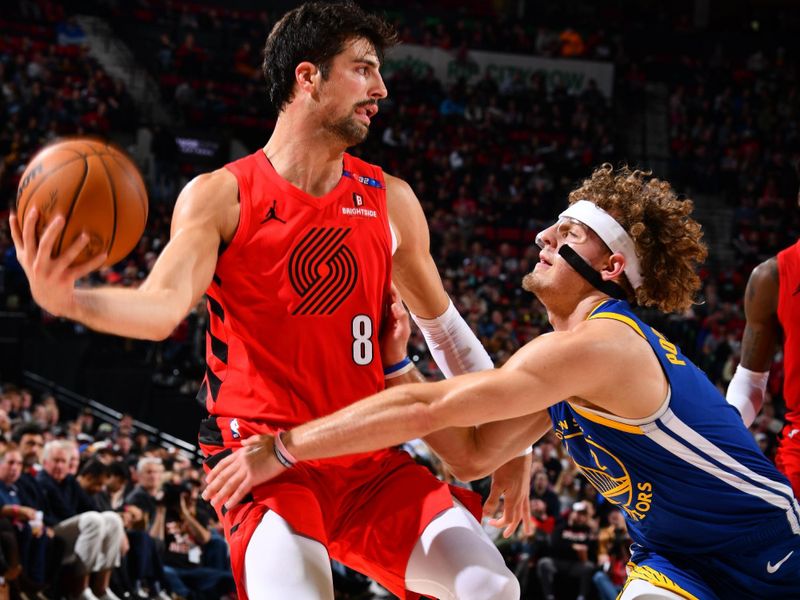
787,458
295,311
367,510
295,296
789,317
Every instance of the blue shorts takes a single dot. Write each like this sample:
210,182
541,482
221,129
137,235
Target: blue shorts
768,571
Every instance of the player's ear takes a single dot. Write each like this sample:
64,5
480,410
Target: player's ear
613,267
307,77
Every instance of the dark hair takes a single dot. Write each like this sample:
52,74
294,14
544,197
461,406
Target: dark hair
316,32
172,493
93,468
28,428
118,469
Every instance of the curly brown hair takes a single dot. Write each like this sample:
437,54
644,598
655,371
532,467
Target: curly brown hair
667,239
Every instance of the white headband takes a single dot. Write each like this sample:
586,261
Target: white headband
611,232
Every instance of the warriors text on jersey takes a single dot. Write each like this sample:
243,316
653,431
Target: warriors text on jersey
690,479
299,268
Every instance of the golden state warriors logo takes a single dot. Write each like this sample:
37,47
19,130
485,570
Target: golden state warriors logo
605,472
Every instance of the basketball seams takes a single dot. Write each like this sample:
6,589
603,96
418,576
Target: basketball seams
75,197
116,154
45,176
133,180
37,159
113,201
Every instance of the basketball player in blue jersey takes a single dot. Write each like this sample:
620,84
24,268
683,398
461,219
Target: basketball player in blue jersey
710,516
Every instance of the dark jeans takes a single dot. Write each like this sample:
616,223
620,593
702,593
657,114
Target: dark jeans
9,548
203,583
144,562
548,567
34,552
215,553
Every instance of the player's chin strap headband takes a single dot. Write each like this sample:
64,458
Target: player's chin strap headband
614,236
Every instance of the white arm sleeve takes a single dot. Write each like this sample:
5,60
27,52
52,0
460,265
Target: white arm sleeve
453,345
746,393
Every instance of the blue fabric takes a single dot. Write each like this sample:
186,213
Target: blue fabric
199,582
742,575
691,480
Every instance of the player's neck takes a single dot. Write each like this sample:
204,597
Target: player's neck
308,158
568,315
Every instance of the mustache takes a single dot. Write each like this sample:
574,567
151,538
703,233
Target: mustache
370,102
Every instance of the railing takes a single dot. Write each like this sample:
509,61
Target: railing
109,415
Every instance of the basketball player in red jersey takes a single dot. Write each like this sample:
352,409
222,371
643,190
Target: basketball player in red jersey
772,305
295,247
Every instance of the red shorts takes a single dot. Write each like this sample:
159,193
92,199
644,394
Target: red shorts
787,458
368,510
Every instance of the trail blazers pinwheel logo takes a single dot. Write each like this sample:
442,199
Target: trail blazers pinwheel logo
322,270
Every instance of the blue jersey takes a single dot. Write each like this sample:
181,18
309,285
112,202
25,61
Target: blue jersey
691,478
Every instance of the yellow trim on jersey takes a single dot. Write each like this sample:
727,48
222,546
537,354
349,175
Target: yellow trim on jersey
607,422
596,307
621,318
658,579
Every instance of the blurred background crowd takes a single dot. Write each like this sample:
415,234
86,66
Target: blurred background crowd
704,93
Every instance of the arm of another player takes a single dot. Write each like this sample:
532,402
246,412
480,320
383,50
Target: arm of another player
455,348
746,389
476,451
542,373
453,345
485,449
206,212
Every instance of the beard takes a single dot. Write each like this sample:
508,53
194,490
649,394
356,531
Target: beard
530,283
349,130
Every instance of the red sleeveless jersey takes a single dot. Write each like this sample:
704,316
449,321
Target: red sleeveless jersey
298,297
789,317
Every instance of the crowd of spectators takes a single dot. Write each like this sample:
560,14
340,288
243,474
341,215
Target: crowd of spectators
491,163
206,57
50,87
734,136
94,509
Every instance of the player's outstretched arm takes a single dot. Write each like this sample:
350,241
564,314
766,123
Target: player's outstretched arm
746,389
206,210
455,348
470,452
453,345
542,373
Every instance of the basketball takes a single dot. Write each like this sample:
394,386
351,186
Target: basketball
95,187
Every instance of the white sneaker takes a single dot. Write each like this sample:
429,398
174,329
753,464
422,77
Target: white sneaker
109,595
87,594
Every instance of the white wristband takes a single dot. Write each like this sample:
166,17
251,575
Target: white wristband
528,450
746,393
454,346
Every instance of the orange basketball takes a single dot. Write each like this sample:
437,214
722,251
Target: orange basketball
95,187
